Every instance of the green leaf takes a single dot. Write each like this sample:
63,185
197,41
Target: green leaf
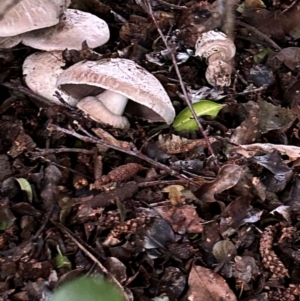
25,186
185,120
87,289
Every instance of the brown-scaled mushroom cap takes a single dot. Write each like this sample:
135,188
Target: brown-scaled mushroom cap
124,78
74,28
29,15
217,44
41,70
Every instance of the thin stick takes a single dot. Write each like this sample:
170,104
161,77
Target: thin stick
174,6
134,153
290,7
44,101
93,258
186,96
259,34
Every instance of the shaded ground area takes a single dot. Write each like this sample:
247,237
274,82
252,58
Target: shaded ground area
154,209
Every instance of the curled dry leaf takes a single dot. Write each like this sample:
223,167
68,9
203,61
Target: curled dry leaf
234,215
228,176
176,145
290,56
273,117
244,270
204,284
250,150
182,219
248,131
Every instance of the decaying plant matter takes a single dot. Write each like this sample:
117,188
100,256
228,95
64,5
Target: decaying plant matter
269,258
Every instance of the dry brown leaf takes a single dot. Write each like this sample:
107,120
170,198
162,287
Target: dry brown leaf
290,56
176,145
250,150
248,131
182,219
204,284
228,176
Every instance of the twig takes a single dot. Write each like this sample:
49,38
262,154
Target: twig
264,87
92,257
44,101
46,152
187,98
161,182
174,6
289,7
133,153
259,34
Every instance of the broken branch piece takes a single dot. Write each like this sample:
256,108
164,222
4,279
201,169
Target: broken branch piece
218,50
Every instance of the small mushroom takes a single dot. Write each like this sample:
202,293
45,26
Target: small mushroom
218,50
74,28
41,70
105,86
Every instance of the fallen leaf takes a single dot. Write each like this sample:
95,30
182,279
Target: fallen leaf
228,177
204,284
176,145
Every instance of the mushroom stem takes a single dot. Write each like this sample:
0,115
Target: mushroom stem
113,101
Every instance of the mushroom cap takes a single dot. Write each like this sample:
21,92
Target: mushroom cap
10,42
74,28
218,74
29,15
97,111
41,70
212,42
124,77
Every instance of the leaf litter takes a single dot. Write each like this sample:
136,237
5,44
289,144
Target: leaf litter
166,213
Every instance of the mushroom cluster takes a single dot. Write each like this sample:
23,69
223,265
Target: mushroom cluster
49,25
218,50
103,89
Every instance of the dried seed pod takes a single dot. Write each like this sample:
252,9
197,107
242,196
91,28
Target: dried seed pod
291,293
269,259
119,174
218,50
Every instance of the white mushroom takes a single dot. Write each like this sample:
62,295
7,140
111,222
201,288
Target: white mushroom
121,79
27,15
41,70
218,50
9,42
74,28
